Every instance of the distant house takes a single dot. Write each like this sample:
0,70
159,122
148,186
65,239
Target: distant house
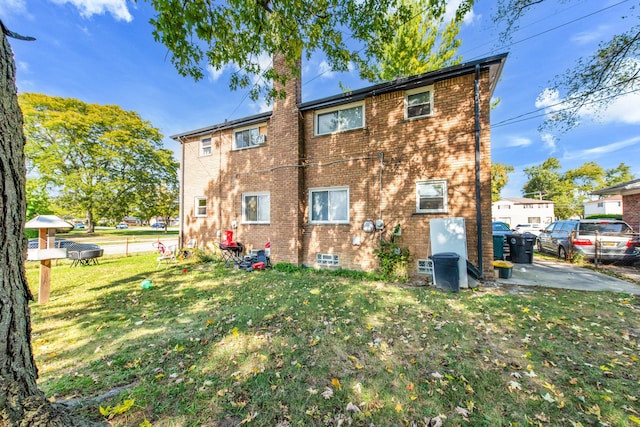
520,210
630,192
323,180
606,206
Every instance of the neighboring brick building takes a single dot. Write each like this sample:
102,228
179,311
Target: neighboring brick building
308,176
630,192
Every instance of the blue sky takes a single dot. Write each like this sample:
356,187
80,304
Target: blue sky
102,51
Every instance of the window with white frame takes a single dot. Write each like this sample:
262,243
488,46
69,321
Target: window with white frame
201,206
431,196
247,138
339,119
256,208
418,102
329,205
205,147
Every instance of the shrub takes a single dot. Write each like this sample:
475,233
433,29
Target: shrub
394,260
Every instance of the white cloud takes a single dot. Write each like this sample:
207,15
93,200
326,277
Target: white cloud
22,67
519,141
9,7
549,99
88,8
214,74
593,35
324,70
549,141
595,152
450,13
623,109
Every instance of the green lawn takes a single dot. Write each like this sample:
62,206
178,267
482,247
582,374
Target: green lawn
213,346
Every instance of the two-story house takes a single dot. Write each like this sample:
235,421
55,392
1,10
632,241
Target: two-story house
605,206
324,180
523,210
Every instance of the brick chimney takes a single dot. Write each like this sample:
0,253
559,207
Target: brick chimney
286,138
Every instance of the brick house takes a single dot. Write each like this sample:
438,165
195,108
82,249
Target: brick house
314,178
630,192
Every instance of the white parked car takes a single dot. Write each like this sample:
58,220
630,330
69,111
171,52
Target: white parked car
529,228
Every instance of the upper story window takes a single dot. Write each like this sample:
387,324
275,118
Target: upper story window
200,208
418,102
256,208
431,196
339,119
247,138
329,205
205,147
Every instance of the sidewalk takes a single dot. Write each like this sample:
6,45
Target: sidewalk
561,275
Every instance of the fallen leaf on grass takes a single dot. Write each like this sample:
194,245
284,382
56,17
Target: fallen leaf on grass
548,398
634,419
336,383
353,408
514,385
462,411
327,393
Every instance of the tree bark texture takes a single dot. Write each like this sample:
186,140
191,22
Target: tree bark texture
21,402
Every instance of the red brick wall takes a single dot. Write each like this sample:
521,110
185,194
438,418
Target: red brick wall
631,213
441,146
294,160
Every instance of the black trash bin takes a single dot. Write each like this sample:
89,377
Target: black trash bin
521,247
445,271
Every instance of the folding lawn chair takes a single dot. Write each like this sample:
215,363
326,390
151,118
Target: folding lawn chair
231,251
167,254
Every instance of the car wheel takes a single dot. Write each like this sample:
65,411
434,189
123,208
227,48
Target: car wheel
562,253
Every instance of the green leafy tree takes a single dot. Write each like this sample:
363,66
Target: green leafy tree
585,179
207,34
618,175
595,80
162,201
424,43
98,157
569,190
546,181
499,178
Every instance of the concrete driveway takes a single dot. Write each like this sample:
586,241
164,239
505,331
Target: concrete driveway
553,274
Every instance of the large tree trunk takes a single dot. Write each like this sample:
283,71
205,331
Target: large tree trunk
21,403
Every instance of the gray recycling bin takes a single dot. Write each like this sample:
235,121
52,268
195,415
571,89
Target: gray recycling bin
521,247
445,271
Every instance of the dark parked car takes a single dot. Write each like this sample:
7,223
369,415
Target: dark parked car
157,225
500,228
609,239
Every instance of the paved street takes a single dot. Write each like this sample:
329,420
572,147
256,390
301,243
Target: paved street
133,247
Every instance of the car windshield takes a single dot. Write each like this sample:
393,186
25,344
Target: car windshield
605,227
500,227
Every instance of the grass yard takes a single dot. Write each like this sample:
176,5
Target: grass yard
213,346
